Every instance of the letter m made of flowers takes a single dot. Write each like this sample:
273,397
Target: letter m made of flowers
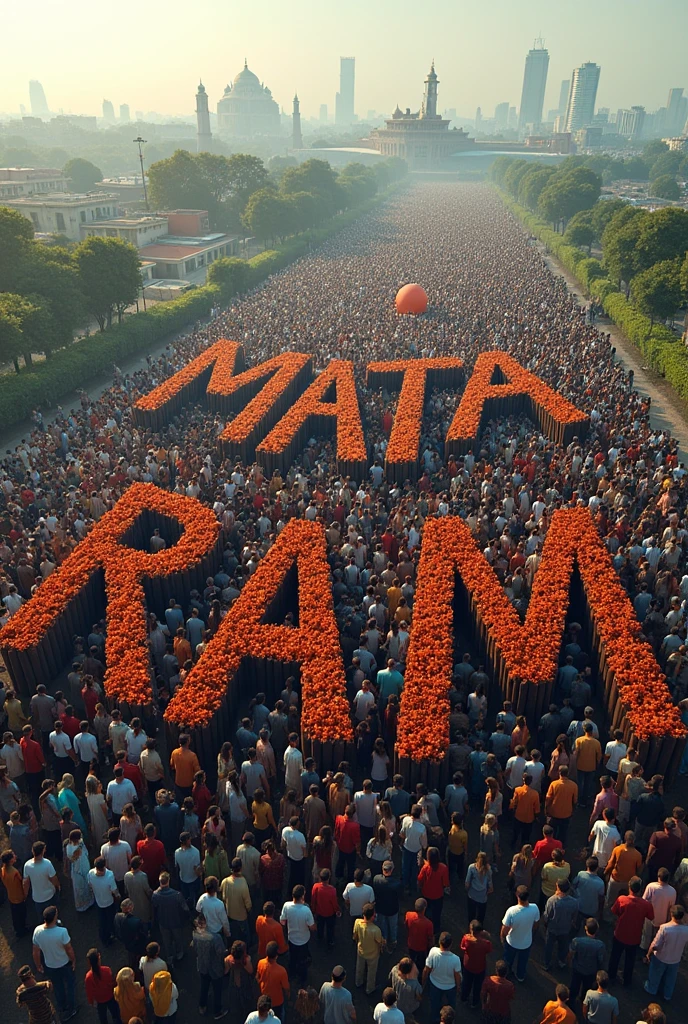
523,656
37,642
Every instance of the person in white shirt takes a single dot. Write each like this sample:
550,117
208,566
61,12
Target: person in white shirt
515,767
299,922
135,739
120,792
117,855
293,766
52,941
11,754
387,1012
213,909
263,1011
613,752
363,701
295,846
518,928
187,860
40,878
357,894
443,971
61,746
413,837
105,891
536,769
85,745
606,836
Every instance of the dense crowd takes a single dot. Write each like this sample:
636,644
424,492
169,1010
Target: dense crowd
261,853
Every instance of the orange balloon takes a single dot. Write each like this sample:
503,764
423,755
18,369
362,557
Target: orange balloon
411,299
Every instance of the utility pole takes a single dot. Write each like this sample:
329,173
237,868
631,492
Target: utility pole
142,142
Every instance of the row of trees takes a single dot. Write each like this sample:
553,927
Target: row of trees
642,251
240,191
47,292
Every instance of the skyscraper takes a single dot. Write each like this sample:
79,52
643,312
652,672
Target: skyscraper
564,95
108,112
323,113
204,138
124,114
39,104
296,137
675,117
582,95
534,82
344,100
501,116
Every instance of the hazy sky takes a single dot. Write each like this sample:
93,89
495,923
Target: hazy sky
150,55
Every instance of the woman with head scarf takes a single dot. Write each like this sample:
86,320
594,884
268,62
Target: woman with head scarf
66,797
164,995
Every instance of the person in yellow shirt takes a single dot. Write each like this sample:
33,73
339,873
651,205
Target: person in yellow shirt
369,943
457,843
556,870
588,756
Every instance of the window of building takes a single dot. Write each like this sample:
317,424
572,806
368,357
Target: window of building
36,222
82,216
60,222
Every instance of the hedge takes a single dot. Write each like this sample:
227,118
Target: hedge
45,383
659,345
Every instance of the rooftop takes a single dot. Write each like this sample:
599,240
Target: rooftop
159,251
127,222
63,199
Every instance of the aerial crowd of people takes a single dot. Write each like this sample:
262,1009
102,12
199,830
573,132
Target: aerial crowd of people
546,836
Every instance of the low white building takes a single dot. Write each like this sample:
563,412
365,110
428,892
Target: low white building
65,213
138,231
16,182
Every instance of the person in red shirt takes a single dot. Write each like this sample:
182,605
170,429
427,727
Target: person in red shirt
100,988
433,881
152,854
542,851
476,947
496,995
347,836
325,908
419,934
70,723
631,912
202,797
34,764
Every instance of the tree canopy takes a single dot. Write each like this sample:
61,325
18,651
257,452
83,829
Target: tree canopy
83,174
657,291
666,187
109,276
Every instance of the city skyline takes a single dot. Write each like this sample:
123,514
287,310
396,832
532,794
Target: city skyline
638,67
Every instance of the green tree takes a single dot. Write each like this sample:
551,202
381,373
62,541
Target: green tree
654,149
667,163
619,240
498,168
602,213
512,178
277,165
580,231
83,174
657,292
359,183
307,210
665,187
569,192
663,236
16,233
245,175
268,215
109,276
532,183
23,322
231,274
317,177
51,272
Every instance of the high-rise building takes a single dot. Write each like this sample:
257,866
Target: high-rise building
501,116
344,100
124,114
630,122
39,104
296,137
564,89
478,119
580,109
512,122
323,113
204,137
108,112
676,112
534,83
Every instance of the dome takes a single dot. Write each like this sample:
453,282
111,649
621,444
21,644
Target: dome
247,80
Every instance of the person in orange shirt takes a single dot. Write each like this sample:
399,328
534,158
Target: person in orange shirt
272,979
269,930
182,647
588,756
625,862
12,880
557,1011
560,801
525,803
184,765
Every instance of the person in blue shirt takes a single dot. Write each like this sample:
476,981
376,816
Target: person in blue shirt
389,681
397,797
174,617
245,736
500,744
167,817
260,713
195,628
477,759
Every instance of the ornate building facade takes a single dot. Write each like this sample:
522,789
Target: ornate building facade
247,108
422,139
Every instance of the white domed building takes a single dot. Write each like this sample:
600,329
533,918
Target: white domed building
247,108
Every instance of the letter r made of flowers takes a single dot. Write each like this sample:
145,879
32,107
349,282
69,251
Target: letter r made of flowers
247,632
37,641
525,655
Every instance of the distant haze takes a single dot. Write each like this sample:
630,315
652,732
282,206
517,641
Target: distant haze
151,56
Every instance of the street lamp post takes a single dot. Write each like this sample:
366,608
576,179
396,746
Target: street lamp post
142,142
